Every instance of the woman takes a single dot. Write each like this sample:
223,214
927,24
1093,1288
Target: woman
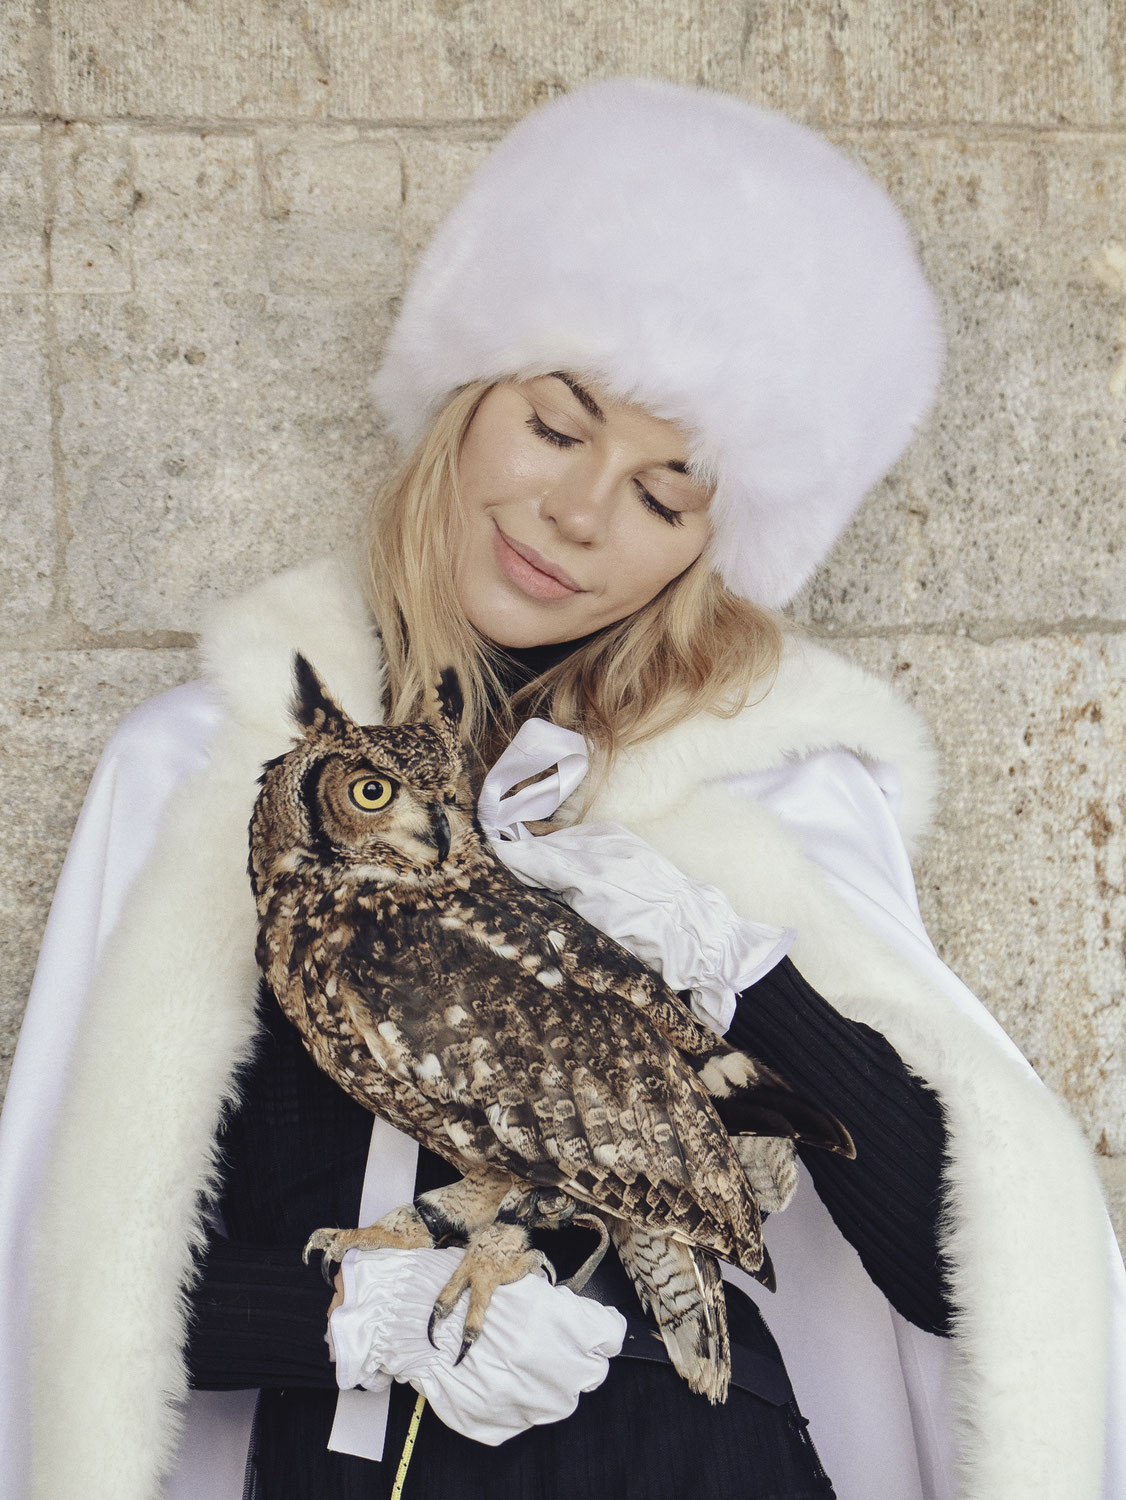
662,347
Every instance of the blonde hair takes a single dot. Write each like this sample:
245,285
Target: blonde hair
694,647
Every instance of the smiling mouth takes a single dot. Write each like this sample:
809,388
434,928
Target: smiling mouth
530,571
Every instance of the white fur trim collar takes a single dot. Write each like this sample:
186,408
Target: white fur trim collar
817,701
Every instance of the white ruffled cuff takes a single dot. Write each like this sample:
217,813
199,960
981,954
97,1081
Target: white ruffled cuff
541,1347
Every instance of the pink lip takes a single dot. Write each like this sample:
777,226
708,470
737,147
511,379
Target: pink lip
530,571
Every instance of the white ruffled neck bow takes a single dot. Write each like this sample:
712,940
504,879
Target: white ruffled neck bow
684,929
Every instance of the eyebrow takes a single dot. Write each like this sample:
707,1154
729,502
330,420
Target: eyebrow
586,400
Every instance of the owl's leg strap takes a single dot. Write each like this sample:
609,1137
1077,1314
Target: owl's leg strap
576,1282
453,1212
445,1215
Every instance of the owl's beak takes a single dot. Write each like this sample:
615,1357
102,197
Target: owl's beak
440,832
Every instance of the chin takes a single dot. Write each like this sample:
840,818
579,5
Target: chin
519,622
503,630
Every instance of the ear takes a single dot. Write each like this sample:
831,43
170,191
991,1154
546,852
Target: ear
451,704
312,707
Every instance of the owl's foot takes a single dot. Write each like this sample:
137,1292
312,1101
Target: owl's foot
500,1254
401,1229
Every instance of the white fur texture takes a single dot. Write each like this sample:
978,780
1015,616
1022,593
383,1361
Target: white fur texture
1025,1227
712,261
171,1017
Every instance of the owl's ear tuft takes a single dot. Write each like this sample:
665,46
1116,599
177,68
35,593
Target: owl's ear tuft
451,703
312,707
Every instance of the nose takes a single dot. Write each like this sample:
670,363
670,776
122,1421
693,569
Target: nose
579,503
440,833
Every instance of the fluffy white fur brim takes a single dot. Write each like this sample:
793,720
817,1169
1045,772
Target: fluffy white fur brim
714,262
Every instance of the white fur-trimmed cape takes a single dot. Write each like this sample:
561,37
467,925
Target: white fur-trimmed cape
171,1016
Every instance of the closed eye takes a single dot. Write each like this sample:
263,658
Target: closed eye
673,517
541,429
562,440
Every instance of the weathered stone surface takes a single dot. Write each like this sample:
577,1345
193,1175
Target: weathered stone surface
91,232
435,170
209,439
1008,63
1008,508
27,556
23,266
1005,62
1113,1170
332,211
58,709
397,60
1022,884
20,61
197,219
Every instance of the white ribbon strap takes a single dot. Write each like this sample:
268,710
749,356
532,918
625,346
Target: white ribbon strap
684,929
536,748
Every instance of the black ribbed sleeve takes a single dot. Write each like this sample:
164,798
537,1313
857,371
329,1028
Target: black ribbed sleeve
888,1201
294,1154
258,1319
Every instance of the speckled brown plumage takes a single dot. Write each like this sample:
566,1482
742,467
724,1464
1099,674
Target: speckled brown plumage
499,1029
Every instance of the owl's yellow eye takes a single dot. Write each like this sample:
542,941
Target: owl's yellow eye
370,793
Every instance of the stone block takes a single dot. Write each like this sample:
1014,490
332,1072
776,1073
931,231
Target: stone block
332,211
207,441
440,61
58,710
1007,509
197,219
1113,1171
435,169
91,232
27,558
856,61
1021,884
1007,63
23,266
20,63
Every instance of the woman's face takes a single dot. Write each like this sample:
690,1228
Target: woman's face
577,511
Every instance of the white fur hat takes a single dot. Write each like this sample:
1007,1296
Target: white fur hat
713,262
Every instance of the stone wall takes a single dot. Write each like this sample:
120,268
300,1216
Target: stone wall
206,216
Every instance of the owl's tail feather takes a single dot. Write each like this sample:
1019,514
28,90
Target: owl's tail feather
681,1287
751,1099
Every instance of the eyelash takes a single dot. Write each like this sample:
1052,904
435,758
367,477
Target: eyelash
561,440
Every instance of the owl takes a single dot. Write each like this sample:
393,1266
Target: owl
501,1030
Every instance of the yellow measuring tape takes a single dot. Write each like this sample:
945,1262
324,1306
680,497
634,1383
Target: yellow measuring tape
408,1447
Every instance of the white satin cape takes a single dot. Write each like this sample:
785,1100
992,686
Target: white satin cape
877,1391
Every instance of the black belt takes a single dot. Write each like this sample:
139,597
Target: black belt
756,1362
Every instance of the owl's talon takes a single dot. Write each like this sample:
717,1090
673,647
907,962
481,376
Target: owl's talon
466,1344
438,1314
324,1240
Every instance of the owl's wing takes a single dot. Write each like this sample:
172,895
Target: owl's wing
562,1087
538,921
598,964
